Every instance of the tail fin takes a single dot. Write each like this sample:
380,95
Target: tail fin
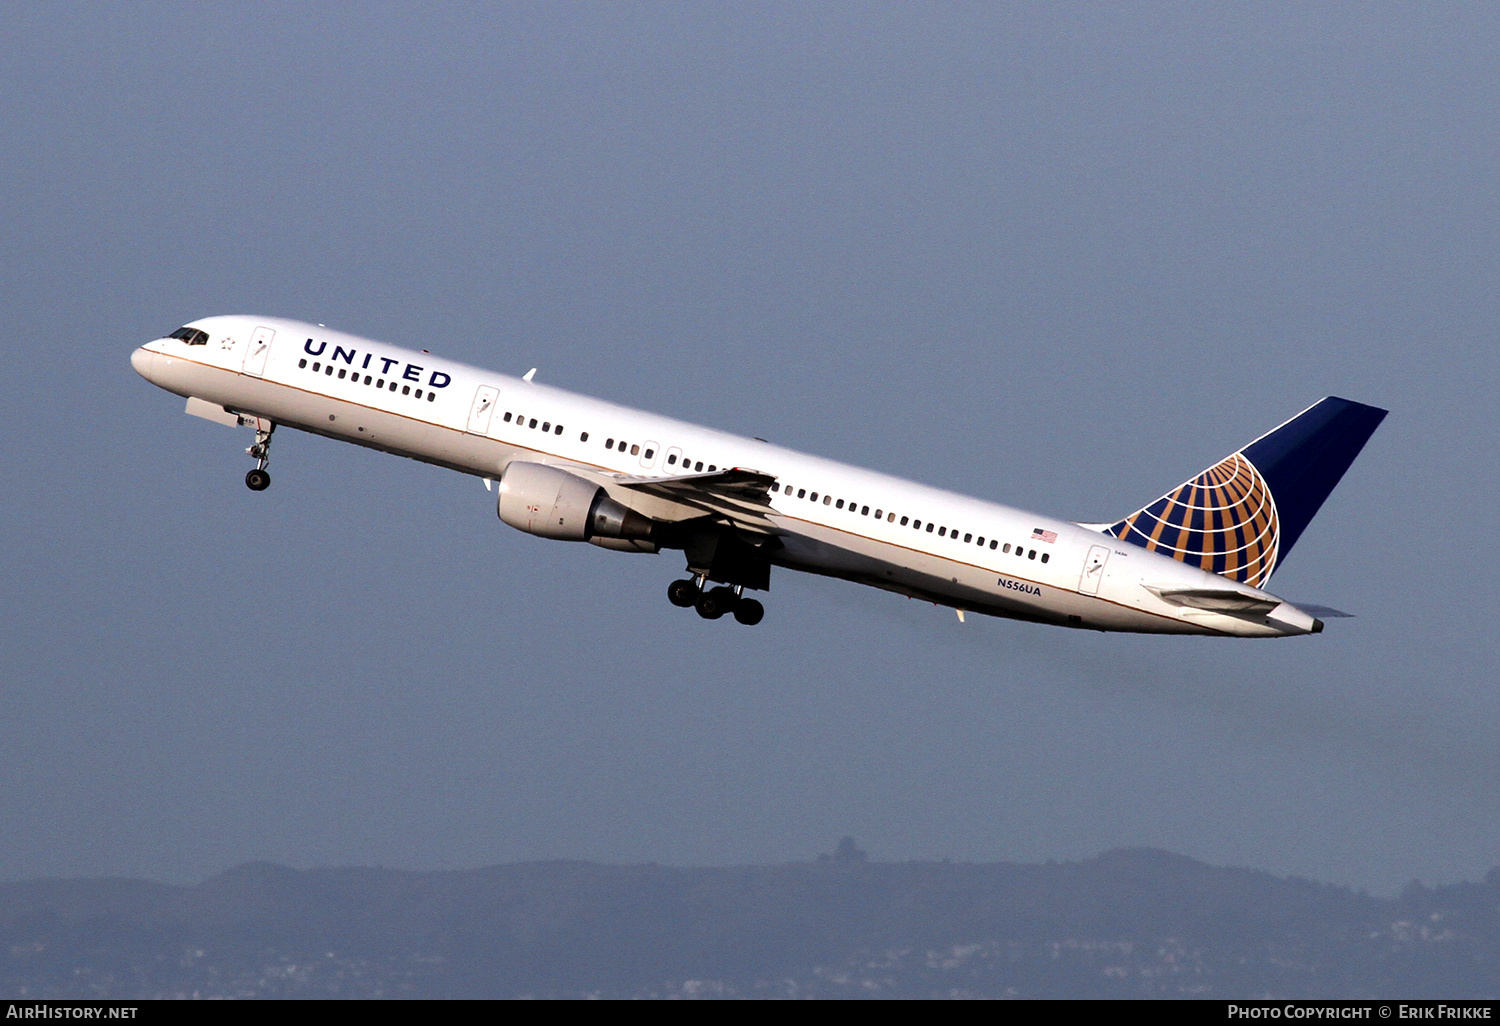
1241,516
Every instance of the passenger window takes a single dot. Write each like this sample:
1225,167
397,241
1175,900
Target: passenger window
378,384
650,454
890,518
672,462
787,490
801,494
978,541
341,373
393,386
968,538
557,430
610,444
930,527
903,521
584,437
328,370
916,524
406,390
1031,554
1007,547
712,468
301,364
547,428
994,543
317,367
419,393
635,450
942,532
1044,557
507,417
879,514
839,504
430,395
533,423
864,511
699,466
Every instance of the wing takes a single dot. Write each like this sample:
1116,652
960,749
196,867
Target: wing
739,495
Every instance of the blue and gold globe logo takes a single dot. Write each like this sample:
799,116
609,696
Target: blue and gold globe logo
1223,520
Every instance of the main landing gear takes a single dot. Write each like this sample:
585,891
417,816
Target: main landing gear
259,479
715,602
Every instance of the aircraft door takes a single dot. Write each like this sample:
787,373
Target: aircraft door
260,348
483,409
649,452
1093,570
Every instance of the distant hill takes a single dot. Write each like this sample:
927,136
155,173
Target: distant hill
1130,923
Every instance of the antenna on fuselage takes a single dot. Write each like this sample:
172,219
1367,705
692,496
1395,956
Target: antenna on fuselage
529,374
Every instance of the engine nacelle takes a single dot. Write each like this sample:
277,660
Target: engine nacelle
551,503
626,544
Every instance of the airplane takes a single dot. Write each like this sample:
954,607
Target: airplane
573,468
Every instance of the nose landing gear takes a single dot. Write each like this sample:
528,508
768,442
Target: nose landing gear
715,602
259,479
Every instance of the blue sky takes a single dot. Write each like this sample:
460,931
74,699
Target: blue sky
1060,256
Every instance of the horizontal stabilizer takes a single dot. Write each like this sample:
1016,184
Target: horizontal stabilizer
1324,611
1217,600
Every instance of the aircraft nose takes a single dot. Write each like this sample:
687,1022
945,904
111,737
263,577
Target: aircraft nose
144,362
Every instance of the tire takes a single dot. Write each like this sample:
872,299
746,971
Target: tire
257,480
682,594
715,603
749,612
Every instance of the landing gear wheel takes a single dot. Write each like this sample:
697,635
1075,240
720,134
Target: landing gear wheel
749,612
715,603
682,593
258,480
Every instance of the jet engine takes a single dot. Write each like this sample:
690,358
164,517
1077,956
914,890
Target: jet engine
552,503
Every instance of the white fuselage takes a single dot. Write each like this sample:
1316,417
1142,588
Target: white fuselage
967,553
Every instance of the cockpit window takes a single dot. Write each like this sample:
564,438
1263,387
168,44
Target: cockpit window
192,336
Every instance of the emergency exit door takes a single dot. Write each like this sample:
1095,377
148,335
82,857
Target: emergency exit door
483,409
1093,570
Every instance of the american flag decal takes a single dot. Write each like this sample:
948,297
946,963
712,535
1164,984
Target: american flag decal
1037,534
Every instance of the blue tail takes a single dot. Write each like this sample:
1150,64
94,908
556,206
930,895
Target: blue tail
1241,516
